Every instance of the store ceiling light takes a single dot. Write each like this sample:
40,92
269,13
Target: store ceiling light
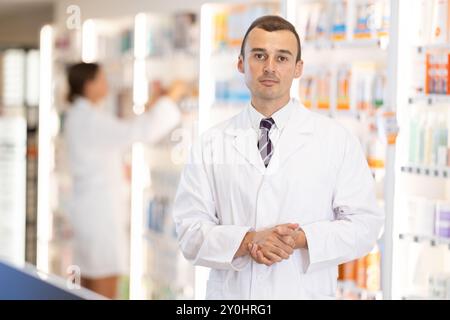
89,51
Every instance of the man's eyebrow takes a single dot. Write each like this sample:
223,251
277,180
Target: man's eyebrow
258,49
279,51
285,51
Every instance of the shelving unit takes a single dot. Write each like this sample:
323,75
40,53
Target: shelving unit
19,95
348,291
420,268
430,240
345,46
430,99
166,46
434,172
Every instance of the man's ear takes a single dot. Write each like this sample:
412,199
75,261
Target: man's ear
298,69
240,64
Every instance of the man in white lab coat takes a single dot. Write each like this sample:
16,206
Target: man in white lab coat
274,199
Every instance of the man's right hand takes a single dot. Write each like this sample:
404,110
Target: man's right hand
273,245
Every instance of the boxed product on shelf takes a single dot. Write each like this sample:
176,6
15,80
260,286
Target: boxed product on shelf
378,90
230,24
339,20
343,88
365,26
363,80
369,81
322,28
420,216
381,18
428,139
363,273
328,20
313,21
306,90
232,90
186,33
376,152
439,286
314,89
443,219
373,270
437,73
323,89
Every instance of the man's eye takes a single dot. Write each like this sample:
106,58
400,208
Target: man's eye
282,59
259,56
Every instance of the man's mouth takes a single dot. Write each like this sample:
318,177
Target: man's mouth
268,82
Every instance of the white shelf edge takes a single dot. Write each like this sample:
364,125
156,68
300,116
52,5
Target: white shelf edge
433,241
427,171
345,44
431,46
430,99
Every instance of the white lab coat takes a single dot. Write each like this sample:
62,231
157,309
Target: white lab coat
95,143
225,191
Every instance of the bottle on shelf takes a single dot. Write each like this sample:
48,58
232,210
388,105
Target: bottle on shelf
339,24
343,88
440,22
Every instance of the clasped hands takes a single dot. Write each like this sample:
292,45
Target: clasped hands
272,245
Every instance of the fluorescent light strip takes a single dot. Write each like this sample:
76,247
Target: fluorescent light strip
206,81
140,85
89,45
206,100
140,26
44,145
140,97
137,221
140,82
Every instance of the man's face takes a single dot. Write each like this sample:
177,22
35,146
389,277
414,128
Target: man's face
269,65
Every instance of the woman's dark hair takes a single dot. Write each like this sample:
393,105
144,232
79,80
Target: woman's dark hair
78,75
273,23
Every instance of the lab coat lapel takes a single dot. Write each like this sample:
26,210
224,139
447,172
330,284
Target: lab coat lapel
295,135
245,141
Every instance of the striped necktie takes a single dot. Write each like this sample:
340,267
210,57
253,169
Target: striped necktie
264,144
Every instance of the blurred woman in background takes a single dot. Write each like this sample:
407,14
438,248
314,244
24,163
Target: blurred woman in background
95,143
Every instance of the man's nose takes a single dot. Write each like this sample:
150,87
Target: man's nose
269,66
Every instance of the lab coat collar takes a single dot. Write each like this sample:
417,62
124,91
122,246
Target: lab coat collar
297,131
81,101
280,117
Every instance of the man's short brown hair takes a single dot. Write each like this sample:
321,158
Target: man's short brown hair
273,23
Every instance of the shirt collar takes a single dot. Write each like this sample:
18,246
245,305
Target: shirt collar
280,117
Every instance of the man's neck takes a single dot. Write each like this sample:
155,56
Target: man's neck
269,107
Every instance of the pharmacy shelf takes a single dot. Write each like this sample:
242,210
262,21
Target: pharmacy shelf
431,240
355,114
347,44
436,172
436,46
430,99
361,294
415,297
